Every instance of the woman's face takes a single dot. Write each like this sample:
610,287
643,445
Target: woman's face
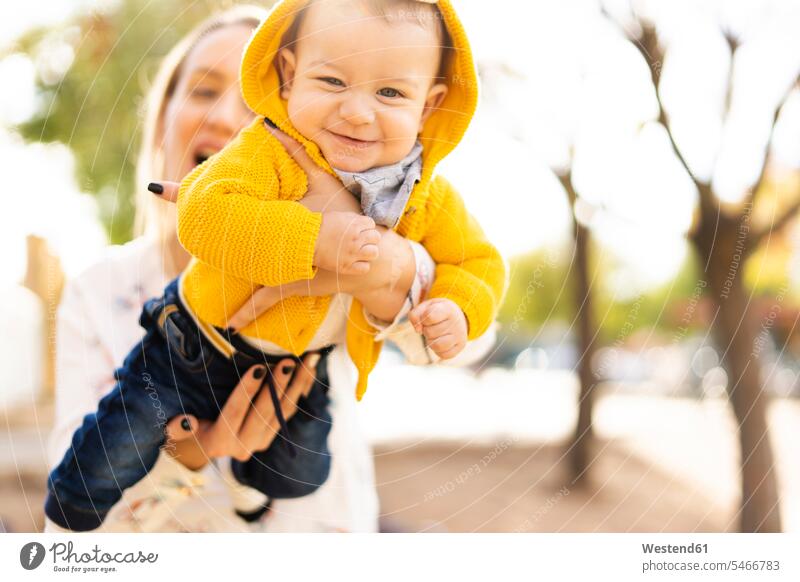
206,109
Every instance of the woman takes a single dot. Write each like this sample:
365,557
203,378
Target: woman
194,108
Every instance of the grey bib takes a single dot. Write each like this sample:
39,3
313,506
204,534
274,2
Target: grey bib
384,191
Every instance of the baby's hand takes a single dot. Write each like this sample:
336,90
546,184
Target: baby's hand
443,324
347,243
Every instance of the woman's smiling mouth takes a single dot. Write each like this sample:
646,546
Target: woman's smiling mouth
205,149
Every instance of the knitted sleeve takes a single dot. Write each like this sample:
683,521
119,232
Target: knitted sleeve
469,269
233,212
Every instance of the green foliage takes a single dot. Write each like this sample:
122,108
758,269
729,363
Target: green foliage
541,293
538,292
664,308
95,107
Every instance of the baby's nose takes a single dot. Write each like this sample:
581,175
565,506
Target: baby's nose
357,110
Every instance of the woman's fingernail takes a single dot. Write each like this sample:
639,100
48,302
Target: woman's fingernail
313,360
186,425
259,372
287,369
269,122
155,188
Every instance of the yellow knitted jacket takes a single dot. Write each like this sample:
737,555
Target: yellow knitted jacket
238,215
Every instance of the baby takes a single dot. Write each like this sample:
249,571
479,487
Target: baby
376,92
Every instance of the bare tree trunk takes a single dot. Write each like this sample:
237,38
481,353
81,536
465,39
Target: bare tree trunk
581,443
735,334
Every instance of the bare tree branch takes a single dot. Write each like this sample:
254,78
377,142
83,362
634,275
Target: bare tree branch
648,46
757,238
566,182
752,193
733,45
653,55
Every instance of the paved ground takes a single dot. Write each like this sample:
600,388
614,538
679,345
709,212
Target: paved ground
693,444
660,465
449,487
23,468
440,487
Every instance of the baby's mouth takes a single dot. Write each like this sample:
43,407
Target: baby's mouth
351,141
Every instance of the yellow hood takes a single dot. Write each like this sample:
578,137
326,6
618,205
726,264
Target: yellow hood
443,130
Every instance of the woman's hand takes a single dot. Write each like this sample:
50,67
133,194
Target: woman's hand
245,425
325,192
348,241
322,186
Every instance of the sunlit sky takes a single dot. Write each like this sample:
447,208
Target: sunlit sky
560,86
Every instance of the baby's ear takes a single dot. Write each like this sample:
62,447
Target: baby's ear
287,65
436,95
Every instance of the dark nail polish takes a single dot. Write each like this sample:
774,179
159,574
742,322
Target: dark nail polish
259,372
155,188
186,425
287,369
269,122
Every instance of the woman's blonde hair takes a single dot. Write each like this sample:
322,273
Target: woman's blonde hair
154,216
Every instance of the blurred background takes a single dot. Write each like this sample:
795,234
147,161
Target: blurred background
646,372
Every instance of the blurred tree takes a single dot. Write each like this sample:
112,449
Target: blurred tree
548,297
579,448
724,237
94,106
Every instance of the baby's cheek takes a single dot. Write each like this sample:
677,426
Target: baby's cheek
301,115
404,123
307,108
401,131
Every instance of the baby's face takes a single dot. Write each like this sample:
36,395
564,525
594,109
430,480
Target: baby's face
358,86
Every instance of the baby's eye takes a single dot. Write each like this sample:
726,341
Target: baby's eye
332,81
389,92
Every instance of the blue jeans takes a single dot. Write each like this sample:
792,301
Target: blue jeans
176,370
